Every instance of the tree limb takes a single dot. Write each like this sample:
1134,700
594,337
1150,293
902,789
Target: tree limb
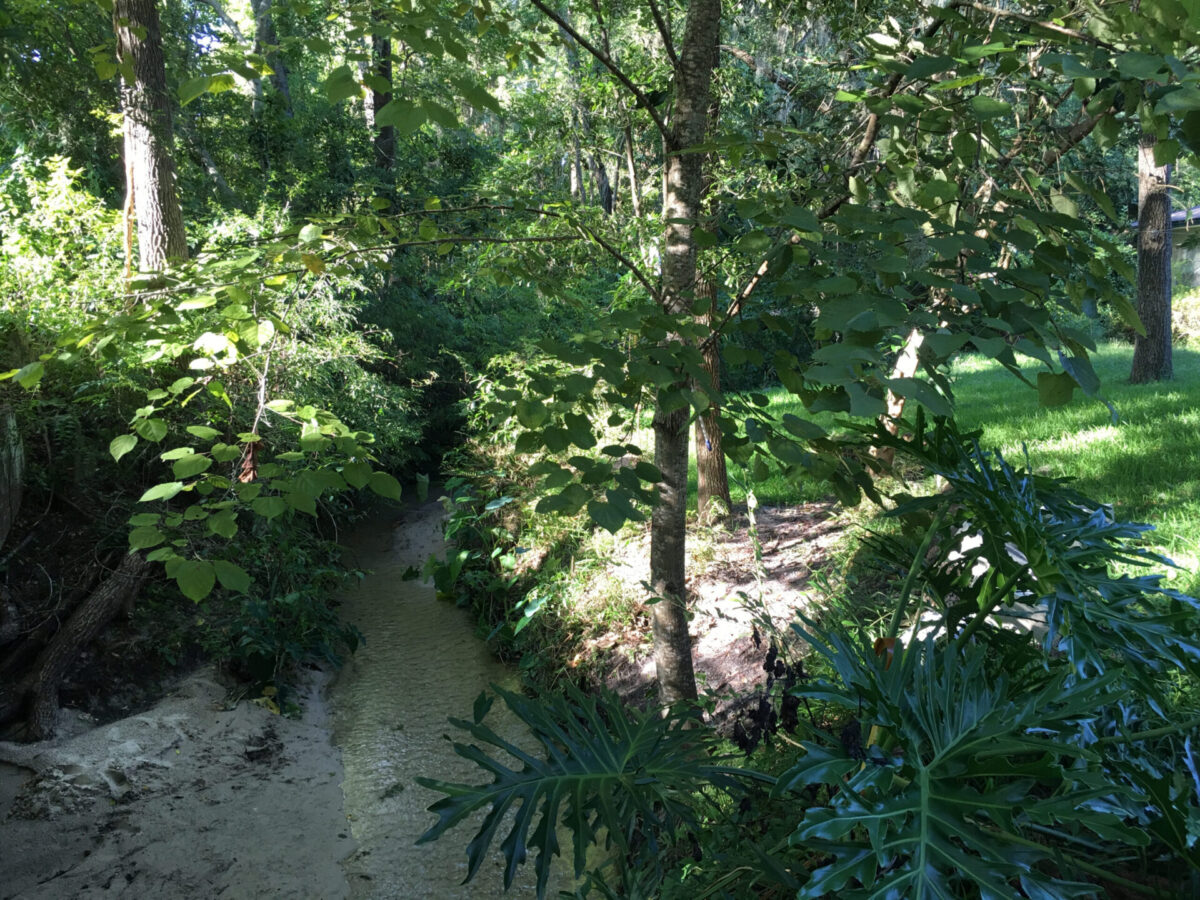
605,60
215,6
782,81
665,33
1038,23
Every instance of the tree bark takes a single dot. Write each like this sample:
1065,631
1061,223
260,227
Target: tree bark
684,186
635,193
12,471
712,477
385,137
1152,353
36,695
148,135
266,42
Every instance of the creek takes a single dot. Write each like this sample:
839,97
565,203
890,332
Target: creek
421,663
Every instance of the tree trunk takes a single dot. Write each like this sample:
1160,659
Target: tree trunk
906,365
712,476
148,135
266,43
12,471
684,186
635,194
385,137
36,695
1152,353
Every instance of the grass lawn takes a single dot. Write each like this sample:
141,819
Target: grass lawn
1147,464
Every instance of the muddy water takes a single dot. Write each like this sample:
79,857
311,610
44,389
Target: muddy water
421,663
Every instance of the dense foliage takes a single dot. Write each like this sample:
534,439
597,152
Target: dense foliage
553,226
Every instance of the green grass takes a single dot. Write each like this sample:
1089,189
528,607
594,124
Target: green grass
1147,464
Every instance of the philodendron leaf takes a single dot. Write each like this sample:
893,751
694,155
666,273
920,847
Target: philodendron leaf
605,771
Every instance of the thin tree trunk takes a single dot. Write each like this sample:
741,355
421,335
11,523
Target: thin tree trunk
36,696
12,471
266,42
148,135
635,194
1152,353
712,477
385,137
905,366
684,186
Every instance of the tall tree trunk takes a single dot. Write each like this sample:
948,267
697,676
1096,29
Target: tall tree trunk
684,186
12,471
266,42
712,476
635,193
385,137
148,135
1152,353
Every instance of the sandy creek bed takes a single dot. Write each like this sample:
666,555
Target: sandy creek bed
194,799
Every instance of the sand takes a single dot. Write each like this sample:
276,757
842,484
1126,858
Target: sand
190,799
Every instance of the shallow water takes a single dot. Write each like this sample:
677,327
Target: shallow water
421,664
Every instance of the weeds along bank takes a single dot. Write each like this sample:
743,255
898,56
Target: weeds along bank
222,426
1007,707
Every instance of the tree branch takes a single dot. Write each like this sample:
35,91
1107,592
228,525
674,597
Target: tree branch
665,33
1038,23
606,61
215,6
782,81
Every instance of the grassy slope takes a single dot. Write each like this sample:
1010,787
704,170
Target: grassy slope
1147,464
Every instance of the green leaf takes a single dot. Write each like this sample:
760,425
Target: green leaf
310,233
193,88
385,485
151,429
404,116
442,115
269,507
203,432
1166,151
223,523
986,107
1183,99
232,577
357,473
606,515
1140,66
1055,388
190,465
341,84
532,413
28,376
144,537
606,771
164,491
121,444
195,578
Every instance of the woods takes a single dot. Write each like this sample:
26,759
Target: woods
262,260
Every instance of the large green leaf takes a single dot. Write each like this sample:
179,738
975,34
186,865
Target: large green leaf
605,772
